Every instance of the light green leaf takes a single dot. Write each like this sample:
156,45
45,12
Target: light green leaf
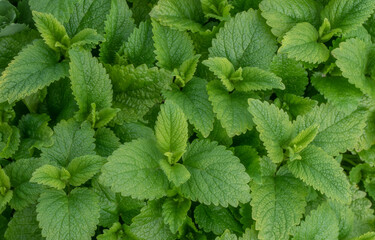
175,212
88,14
277,204
172,47
217,177
106,142
304,138
296,105
50,176
321,171
61,9
292,73
227,236
231,108
345,217
311,229
5,193
193,101
353,59
24,225
71,140
255,79
338,91
177,173
114,233
215,219
301,43
274,127
87,37
133,170
52,31
171,131
348,14
9,140
181,15
89,86
338,131
25,193
245,41
35,67
366,236
118,27
149,224
186,71
139,49
282,15
84,168
219,9
72,216
224,70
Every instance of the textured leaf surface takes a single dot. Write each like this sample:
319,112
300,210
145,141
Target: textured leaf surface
72,216
282,15
118,27
48,175
171,131
34,68
172,47
149,224
231,108
323,172
193,100
175,212
182,15
133,170
106,142
274,127
255,79
61,9
301,43
217,176
278,204
245,41
84,168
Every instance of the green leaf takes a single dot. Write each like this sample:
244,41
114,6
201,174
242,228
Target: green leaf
277,204
255,79
172,47
217,177
86,37
84,168
52,31
304,138
301,43
35,67
61,9
366,236
274,127
89,86
218,9
311,229
296,105
348,14
88,14
338,91
353,59
180,15
24,225
114,233
321,171
136,90
175,212
292,73
133,170
282,15
230,108
225,71
345,217
5,193
25,193
139,49
149,224
245,41
50,176
9,140
177,173
186,71
227,236
215,219
118,27
72,216
171,131
71,140
338,131
106,142
193,101
250,159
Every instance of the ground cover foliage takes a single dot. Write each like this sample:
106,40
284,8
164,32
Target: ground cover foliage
187,119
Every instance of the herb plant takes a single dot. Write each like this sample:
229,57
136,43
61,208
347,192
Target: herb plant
187,119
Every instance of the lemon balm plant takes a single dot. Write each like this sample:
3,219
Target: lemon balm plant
177,119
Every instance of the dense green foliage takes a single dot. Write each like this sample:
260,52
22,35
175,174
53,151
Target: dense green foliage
187,119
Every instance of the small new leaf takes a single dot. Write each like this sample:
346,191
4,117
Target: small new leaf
50,176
